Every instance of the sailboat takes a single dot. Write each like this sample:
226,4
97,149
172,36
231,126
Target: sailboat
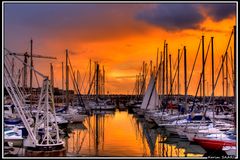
150,100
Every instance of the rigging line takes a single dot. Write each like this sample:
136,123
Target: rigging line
210,99
141,69
205,59
85,87
79,94
144,81
195,63
74,86
175,64
219,65
176,71
83,82
84,79
91,84
229,76
231,59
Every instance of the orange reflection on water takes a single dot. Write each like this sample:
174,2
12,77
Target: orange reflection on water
120,134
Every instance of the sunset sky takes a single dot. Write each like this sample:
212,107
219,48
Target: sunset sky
119,36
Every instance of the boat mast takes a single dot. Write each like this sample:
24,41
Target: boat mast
103,81
160,75
97,79
234,68
31,43
212,67
90,68
226,75
234,74
166,68
178,72
203,80
67,80
170,61
185,76
163,68
223,76
157,83
62,82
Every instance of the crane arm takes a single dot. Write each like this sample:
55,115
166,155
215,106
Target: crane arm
34,55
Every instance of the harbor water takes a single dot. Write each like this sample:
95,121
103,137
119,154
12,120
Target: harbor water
119,133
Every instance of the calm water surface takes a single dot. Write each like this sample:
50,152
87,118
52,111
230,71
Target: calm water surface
119,133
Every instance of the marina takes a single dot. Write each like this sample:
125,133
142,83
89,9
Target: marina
177,102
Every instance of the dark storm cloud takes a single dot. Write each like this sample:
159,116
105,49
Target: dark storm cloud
185,16
219,12
173,16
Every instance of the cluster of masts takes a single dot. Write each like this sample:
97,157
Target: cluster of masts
167,77
97,79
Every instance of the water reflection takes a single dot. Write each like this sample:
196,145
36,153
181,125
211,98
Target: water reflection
123,134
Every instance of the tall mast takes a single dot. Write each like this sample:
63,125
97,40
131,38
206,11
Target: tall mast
31,43
157,67
203,80
166,68
185,76
142,77
234,76
67,80
163,87
103,81
226,74
178,72
160,75
62,81
234,72
97,79
170,61
212,67
223,76
157,58
95,73
90,68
